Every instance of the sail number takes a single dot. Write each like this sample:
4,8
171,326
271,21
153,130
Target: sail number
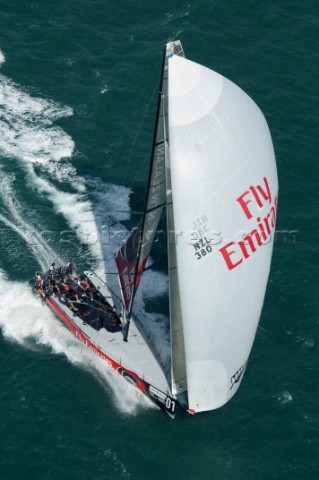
202,248
200,241
203,252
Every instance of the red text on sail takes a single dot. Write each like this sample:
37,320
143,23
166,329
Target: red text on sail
234,253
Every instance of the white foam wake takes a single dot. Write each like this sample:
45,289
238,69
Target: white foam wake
27,133
16,220
25,320
26,126
77,211
2,58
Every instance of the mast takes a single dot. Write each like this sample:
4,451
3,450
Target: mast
178,378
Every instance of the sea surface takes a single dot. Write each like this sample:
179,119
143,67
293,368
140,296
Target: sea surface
78,86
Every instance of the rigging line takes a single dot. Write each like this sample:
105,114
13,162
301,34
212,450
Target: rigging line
154,185
146,158
155,208
158,109
135,138
100,307
111,314
126,274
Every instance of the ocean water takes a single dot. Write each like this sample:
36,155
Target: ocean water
78,85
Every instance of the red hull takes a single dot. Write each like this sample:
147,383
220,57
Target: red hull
80,336
161,399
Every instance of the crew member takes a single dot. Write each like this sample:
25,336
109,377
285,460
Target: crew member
38,280
52,269
70,269
69,297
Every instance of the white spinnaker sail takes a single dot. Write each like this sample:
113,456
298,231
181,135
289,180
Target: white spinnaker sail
224,185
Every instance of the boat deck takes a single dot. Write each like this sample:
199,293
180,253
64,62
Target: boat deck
135,355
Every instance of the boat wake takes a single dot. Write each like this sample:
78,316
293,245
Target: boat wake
23,319
39,153
15,219
27,135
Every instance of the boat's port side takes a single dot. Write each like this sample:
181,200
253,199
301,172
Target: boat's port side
161,399
93,320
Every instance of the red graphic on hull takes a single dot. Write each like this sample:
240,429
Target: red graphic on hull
80,336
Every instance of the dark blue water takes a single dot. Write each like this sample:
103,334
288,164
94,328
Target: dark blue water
77,101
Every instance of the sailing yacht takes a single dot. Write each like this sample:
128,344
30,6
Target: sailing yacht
213,171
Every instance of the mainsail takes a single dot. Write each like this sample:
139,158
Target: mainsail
132,257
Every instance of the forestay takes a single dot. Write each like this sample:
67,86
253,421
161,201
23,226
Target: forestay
178,367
